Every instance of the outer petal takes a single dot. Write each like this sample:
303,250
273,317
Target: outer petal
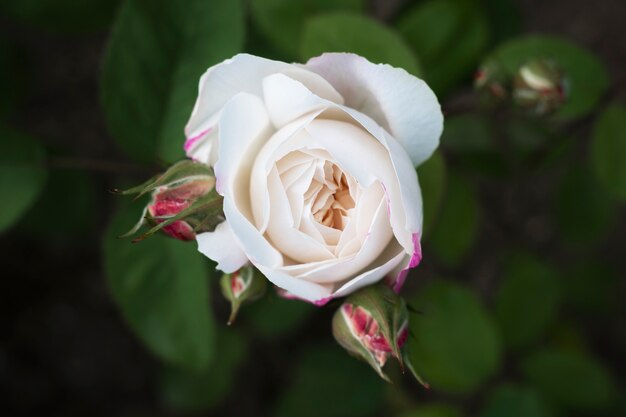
398,101
221,246
244,74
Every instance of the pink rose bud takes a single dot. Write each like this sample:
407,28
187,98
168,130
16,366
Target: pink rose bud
491,79
242,286
373,325
539,87
184,202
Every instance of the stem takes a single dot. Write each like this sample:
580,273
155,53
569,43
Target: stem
91,164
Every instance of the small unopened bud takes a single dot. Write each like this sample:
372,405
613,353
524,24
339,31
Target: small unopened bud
539,86
242,286
373,325
184,202
493,80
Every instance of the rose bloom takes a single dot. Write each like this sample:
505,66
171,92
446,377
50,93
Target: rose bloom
316,164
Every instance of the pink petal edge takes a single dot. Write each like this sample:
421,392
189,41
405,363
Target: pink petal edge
190,142
416,258
289,296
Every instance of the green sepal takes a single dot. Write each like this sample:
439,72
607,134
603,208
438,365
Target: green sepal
181,171
254,286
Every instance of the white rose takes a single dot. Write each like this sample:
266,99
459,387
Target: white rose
316,166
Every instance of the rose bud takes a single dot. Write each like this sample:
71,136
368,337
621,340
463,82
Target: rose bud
493,80
373,324
539,86
183,203
242,286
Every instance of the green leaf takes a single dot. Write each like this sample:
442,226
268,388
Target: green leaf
273,316
455,345
281,21
608,150
187,392
346,32
434,410
457,225
150,77
470,138
449,37
62,15
22,175
432,179
586,78
572,380
584,211
514,401
327,382
527,301
161,286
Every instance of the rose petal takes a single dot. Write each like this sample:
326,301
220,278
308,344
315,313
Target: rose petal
221,246
244,74
396,100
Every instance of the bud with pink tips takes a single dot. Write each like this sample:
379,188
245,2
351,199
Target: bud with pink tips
373,325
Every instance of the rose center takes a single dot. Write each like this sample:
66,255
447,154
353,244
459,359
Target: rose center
329,197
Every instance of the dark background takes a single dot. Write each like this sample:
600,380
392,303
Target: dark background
65,349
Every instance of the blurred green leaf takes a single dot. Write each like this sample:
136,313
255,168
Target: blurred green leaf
432,179
157,52
186,391
527,301
457,224
514,401
273,316
327,382
584,211
587,80
12,83
470,138
608,150
22,175
281,21
434,410
572,380
62,15
592,286
455,345
504,18
449,37
161,286
346,32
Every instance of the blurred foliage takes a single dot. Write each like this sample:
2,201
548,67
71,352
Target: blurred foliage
570,379
62,15
161,286
329,382
513,334
150,75
514,401
188,391
458,221
432,178
22,175
608,150
449,37
527,301
347,32
281,21
455,345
